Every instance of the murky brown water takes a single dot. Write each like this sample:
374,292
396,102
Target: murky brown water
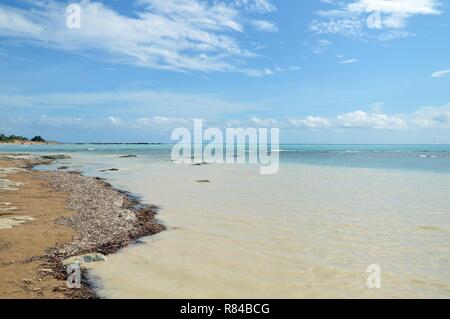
307,232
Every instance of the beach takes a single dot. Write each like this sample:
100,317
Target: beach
47,217
310,231
29,143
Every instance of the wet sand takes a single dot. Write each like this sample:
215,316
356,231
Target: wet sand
23,274
46,217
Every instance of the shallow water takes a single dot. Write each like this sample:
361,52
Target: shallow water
306,232
309,231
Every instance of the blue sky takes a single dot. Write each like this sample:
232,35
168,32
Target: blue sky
135,70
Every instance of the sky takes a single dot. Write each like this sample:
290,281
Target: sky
323,71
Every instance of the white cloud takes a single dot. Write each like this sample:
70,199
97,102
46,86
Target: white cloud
264,25
349,61
58,121
403,8
163,121
179,35
256,121
432,117
114,120
309,122
14,23
153,109
259,6
425,118
321,46
441,74
346,27
351,18
360,119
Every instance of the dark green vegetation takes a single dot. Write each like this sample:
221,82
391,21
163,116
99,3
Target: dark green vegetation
15,138
37,139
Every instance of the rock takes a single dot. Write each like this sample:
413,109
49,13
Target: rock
63,167
55,157
204,181
109,170
128,156
200,164
82,260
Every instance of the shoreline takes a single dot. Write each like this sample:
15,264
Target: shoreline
97,219
16,142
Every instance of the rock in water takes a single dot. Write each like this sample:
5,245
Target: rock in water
109,170
128,156
55,157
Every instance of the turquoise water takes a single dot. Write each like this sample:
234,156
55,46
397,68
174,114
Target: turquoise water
433,158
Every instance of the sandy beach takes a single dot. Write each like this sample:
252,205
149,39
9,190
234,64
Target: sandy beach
47,217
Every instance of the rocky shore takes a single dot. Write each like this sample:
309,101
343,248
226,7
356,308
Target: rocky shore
104,219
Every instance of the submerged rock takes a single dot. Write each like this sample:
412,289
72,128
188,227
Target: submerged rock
200,164
109,170
55,157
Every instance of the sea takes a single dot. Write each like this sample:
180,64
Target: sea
336,221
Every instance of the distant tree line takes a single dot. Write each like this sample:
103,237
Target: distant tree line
11,138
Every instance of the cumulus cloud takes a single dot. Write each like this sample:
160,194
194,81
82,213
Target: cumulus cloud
360,119
140,109
178,35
